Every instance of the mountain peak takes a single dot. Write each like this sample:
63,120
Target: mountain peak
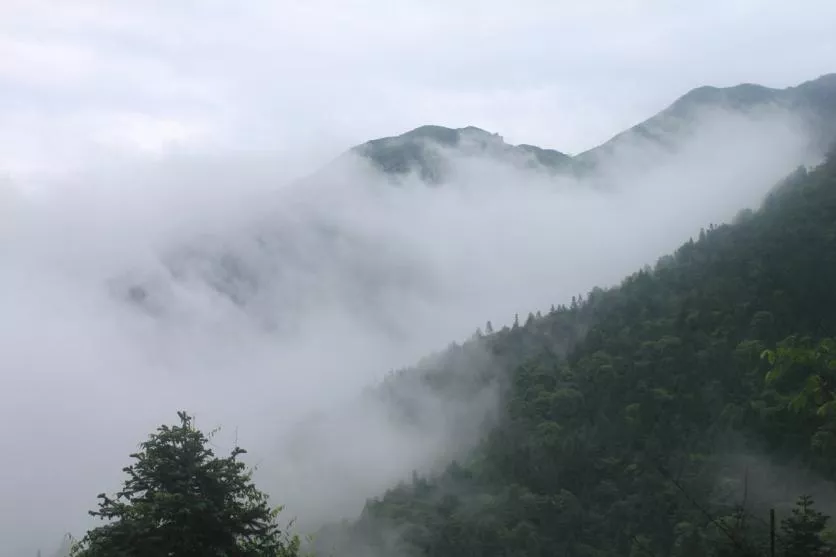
422,149
418,150
744,94
441,135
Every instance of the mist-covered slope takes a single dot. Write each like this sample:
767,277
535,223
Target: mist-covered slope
813,101
435,153
638,420
291,254
267,310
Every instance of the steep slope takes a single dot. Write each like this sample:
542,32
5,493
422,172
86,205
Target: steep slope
431,151
637,420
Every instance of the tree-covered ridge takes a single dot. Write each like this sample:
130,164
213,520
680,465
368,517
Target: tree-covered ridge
626,417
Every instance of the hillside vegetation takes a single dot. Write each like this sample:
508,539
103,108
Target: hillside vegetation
639,420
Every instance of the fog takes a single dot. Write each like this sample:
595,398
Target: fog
758,482
256,303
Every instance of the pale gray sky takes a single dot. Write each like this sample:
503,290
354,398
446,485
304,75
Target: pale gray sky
87,81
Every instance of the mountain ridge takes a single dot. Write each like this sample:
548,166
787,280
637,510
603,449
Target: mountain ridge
418,149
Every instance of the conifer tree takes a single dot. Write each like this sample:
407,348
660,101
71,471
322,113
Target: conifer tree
180,499
802,531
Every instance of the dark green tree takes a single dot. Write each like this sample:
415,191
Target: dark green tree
802,531
180,499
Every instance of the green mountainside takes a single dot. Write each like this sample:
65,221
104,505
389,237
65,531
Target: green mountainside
639,420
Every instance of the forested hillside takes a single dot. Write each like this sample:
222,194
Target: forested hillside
640,421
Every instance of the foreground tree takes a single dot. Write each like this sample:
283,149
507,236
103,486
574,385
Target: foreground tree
803,531
181,500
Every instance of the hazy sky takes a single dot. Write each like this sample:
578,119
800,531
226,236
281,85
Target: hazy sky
89,80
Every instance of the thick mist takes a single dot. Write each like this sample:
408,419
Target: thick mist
138,290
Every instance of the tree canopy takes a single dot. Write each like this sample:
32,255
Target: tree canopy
179,499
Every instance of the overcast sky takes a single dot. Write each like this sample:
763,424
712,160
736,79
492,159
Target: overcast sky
86,81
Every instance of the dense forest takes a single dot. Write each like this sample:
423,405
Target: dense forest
665,416
688,411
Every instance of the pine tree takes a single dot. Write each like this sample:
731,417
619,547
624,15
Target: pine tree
488,328
802,531
180,499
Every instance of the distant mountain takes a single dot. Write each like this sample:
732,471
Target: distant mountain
427,150
814,101
422,150
249,268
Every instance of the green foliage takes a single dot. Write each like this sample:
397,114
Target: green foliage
621,410
180,499
814,365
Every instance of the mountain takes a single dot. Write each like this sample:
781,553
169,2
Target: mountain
638,420
644,419
423,150
814,101
429,150
245,268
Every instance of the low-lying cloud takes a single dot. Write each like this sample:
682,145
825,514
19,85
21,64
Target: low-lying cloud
135,292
